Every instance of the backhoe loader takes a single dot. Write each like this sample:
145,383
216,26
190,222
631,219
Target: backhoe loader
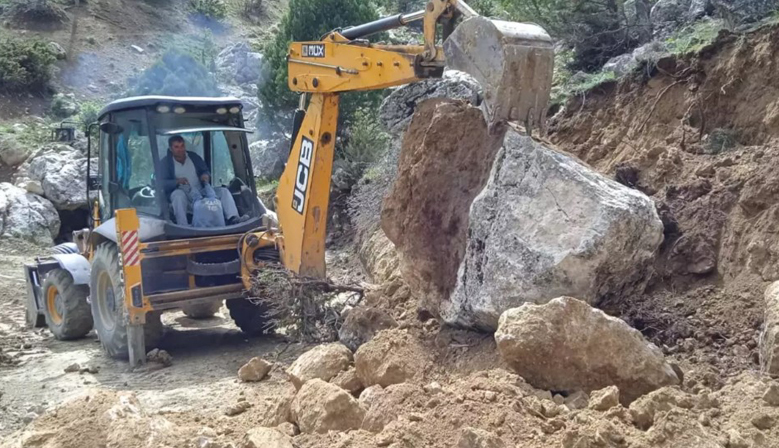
134,261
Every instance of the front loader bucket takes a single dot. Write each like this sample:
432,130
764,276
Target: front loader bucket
513,62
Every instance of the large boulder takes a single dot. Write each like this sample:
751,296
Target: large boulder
399,106
769,338
392,357
27,216
238,64
320,407
445,161
61,170
637,19
547,226
362,323
566,345
323,362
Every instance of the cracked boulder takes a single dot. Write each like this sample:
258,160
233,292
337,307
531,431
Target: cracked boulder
445,161
547,226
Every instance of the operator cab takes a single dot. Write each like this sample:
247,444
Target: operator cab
133,141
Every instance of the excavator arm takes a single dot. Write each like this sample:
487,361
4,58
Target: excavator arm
513,62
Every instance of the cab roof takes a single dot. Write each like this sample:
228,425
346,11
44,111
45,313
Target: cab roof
137,102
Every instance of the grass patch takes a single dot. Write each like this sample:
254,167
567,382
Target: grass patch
578,84
694,38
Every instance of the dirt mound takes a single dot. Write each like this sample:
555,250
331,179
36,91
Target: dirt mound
699,136
446,157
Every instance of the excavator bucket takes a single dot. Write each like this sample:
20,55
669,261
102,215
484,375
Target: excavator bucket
512,61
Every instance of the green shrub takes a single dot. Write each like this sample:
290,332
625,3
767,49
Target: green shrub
310,20
24,64
578,84
720,140
89,113
693,38
176,74
212,9
367,142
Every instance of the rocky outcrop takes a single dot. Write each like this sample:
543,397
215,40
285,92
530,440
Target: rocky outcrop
27,216
769,338
478,438
392,357
362,323
445,161
320,407
269,157
238,64
323,362
547,226
398,108
61,171
566,345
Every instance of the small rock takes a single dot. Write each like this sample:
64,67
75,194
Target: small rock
764,421
160,356
138,49
289,429
207,432
735,440
348,381
490,395
414,417
604,399
392,357
771,395
433,388
238,408
384,439
362,324
266,438
479,438
75,367
323,362
320,407
254,370
205,442
577,400
29,417
558,399
89,369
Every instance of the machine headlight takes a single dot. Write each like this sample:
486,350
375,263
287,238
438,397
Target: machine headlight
163,109
221,110
235,109
179,110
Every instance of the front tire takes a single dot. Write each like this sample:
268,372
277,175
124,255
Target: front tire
250,318
66,310
108,310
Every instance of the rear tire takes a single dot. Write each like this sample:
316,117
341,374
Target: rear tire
108,310
202,310
66,310
250,318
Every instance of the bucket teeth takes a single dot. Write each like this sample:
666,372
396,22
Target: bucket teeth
513,63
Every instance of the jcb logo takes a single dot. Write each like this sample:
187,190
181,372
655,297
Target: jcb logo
303,174
313,50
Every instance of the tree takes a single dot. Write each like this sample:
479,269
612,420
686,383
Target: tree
597,29
310,20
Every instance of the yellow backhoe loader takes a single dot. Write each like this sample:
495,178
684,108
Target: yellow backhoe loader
134,261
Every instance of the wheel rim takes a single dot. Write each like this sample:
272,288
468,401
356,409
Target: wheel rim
54,305
106,301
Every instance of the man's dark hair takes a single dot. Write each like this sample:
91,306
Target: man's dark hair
174,139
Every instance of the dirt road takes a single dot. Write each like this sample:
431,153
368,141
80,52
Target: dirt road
200,383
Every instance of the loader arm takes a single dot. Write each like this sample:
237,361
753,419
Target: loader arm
518,78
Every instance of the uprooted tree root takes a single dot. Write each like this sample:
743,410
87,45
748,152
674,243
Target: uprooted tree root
305,308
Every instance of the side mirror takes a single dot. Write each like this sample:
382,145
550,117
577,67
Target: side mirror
111,128
94,182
